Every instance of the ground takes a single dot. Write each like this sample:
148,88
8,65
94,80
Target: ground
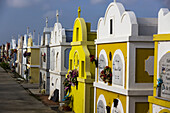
15,97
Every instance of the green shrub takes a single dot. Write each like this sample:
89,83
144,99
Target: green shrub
4,65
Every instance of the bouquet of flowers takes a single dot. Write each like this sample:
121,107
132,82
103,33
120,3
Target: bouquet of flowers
27,54
70,80
106,75
92,59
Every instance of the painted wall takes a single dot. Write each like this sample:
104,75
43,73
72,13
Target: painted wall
82,47
59,58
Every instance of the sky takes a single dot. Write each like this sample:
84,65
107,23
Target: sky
17,15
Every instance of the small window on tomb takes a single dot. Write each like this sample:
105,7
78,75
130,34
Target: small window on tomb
70,64
52,61
76,61
82,69
66,57
55,36
77,34
57,61
111,26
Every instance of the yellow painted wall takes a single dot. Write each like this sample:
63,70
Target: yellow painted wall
34,73
141,107
109,97
143,54
112,48
82,47
152,100
34,60
35,55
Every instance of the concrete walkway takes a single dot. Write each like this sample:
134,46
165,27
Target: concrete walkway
14,99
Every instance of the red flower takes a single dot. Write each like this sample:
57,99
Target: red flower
107,67
102,72
91,59
106,74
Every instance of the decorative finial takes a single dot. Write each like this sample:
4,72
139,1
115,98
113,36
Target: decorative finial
79,11
33,34
57,15
27,30
38,39
46,21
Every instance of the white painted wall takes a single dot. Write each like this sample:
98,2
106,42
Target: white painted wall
58,45
124,22
163,21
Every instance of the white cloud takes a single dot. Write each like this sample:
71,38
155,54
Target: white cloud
21,3
96,1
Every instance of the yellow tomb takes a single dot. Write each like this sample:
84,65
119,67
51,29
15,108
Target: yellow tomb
33,62
160,101
82,46
125,48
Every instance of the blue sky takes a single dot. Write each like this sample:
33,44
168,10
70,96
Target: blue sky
16,15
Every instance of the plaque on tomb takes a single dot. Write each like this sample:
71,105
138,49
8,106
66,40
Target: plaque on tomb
117,70
101,64
100,107
164,74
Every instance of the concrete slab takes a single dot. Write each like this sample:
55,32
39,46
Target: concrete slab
15,99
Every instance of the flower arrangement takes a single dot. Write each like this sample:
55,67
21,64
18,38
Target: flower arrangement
12,51
158,88
44,57
106,75
27,54
92,59
70,80
160,81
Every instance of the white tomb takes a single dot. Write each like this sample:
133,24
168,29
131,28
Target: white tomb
44,80
59,59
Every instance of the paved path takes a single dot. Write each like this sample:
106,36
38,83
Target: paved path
14,99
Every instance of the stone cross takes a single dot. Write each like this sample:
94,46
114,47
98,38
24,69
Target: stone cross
57,15
79,11
33,34
46,21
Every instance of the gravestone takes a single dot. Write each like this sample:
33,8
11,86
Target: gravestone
164,74
117,70
100,107
102,64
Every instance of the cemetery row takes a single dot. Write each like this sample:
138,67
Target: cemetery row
123,67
